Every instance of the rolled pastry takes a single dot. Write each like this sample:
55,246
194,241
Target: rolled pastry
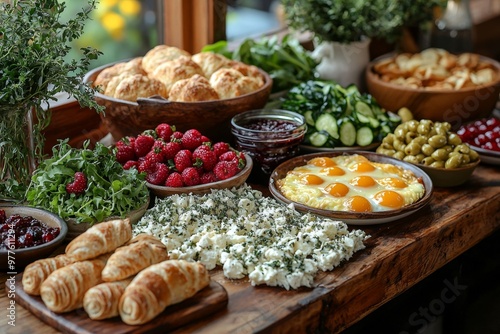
158,286
141,252
64,289
37,272
100,239
101,301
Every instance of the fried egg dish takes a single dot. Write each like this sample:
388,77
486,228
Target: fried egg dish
351,183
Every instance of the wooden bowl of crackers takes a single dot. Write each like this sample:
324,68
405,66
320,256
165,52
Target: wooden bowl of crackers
436,85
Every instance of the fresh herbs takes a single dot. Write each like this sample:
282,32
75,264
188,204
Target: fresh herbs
110,191
286,61
33,44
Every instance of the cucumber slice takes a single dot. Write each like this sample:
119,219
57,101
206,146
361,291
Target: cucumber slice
328,123
374,123
318,138
364,136
363,118
352,89
308,115
347,133
364,109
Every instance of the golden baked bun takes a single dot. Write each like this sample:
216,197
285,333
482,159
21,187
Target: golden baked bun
195,89
134,66
229,83
248,71
174,70
135,86
110,87
131,67
210,62
160,54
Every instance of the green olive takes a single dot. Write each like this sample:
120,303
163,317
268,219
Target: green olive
423,128
385,151
399,155
437,164
462,148
440,154
420,140
410,135
405,114
412,149
428,161
420,157
437,141
389,138
441,128
412,125
474,156
400,132
454,139
411,158
453,161
399,145
465,159
427,149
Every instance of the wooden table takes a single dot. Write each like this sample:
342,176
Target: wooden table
398,255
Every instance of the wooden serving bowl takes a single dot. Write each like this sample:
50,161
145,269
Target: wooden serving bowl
231,182
453,106
443,177
124,118
20,258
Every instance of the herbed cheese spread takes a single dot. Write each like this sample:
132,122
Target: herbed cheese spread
249,234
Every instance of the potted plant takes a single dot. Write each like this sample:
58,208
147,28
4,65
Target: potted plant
33,44
342,29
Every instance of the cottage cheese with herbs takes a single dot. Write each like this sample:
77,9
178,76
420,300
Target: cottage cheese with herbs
249,234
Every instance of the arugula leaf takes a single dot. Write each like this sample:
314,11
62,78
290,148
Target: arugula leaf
111,190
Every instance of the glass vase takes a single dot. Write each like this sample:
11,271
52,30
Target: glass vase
17,151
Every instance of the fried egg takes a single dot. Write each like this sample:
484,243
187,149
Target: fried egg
351,183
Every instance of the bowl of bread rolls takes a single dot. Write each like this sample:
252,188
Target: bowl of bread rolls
436,85
170,85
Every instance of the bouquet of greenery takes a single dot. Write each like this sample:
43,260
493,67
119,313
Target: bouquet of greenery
347,21
33,44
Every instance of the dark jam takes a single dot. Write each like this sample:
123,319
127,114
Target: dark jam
18,232
271,125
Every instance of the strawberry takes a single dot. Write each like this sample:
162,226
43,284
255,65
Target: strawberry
206,156
145,165
208,177
190,176
174,180
78,185
158,174
191,139
225,169
205,139
228,156
143,144
220,148
164,131
177,135
124,153
156,152
182,160
130,164
170,149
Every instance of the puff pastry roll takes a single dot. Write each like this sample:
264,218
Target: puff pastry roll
101,301
158,286
141,252
37,272
64,289
100,239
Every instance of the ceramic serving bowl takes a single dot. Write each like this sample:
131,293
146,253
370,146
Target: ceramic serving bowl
235,181
354,218
446,105
14,260
124,118
449,177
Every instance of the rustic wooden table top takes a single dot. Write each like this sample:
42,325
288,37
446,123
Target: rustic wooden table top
398,255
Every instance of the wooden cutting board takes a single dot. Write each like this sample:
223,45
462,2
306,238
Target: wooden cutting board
207,301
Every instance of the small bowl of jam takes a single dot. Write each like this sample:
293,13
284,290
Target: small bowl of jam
269,136
28,234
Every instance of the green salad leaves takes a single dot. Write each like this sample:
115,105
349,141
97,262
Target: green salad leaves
110,191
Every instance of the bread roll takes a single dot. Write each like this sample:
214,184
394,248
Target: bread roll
210,62
101,301
172,71
132,87
195,89
37,272
160,54
141,252
158,286
100,239
64,289
229,83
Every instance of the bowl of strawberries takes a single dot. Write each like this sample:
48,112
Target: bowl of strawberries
183,162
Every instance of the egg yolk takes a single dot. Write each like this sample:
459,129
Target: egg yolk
358,204
312,179
389,199
363,167
322,162
393,182
363,181
337,189
333,171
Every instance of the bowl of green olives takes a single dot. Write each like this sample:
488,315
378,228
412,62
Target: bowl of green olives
434,148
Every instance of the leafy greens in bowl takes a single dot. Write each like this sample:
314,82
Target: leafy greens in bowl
108,190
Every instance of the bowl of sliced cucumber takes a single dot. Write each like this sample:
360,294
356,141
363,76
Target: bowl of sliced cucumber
339,118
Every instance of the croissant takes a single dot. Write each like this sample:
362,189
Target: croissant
141,252
64,289
158,286
37,272
101,301
100,239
